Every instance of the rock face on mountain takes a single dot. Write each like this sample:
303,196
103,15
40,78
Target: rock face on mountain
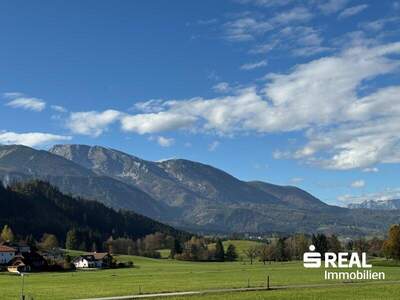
201,197
377,204
20,163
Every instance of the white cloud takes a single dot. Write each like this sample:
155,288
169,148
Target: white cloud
246,28
166,159
296,180
388,194
30,139
13,95
331,6
259,166
266,3
320,98
153,105
163,141
379,24
255,65
296,14
351,11
222,87
304,40
92,122
279,154
264,48
156,122
371,170
358,184
207,21
309,50
371,138
59,108
34,104
213,146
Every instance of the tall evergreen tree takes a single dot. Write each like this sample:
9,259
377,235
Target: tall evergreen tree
321,243
176,248
334,244
219,251
71,241
231,253
280,254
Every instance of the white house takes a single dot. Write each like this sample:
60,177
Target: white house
86,261
6,254
93,260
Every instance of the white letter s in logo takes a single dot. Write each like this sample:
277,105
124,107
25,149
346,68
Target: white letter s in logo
312,259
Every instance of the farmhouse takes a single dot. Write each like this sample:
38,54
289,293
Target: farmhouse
6,254
25,262
53,255
93,260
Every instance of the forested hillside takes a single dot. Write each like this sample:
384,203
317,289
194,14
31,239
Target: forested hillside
36,207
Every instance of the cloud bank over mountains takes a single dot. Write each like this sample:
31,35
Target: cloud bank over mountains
346,125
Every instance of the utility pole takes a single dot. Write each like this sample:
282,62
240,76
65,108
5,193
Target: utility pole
22,285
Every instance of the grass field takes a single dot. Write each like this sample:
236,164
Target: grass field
362,291
165,275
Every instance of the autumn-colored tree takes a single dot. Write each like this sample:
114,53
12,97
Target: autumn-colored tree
49,241
7,234
391,247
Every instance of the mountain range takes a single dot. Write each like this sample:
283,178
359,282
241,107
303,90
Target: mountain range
389,204
186,194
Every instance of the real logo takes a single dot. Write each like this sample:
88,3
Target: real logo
314,259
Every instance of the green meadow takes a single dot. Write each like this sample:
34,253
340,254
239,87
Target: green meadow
361,291
165,275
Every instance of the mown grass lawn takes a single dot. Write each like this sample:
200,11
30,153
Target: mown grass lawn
361,291
164,275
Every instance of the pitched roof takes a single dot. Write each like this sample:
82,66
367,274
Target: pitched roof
99,255
4,248
86,257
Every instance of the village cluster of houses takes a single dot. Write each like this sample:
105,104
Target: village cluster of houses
21,258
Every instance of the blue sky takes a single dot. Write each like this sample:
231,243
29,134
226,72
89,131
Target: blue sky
303,93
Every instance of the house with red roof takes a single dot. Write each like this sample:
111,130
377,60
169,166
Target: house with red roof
7,253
